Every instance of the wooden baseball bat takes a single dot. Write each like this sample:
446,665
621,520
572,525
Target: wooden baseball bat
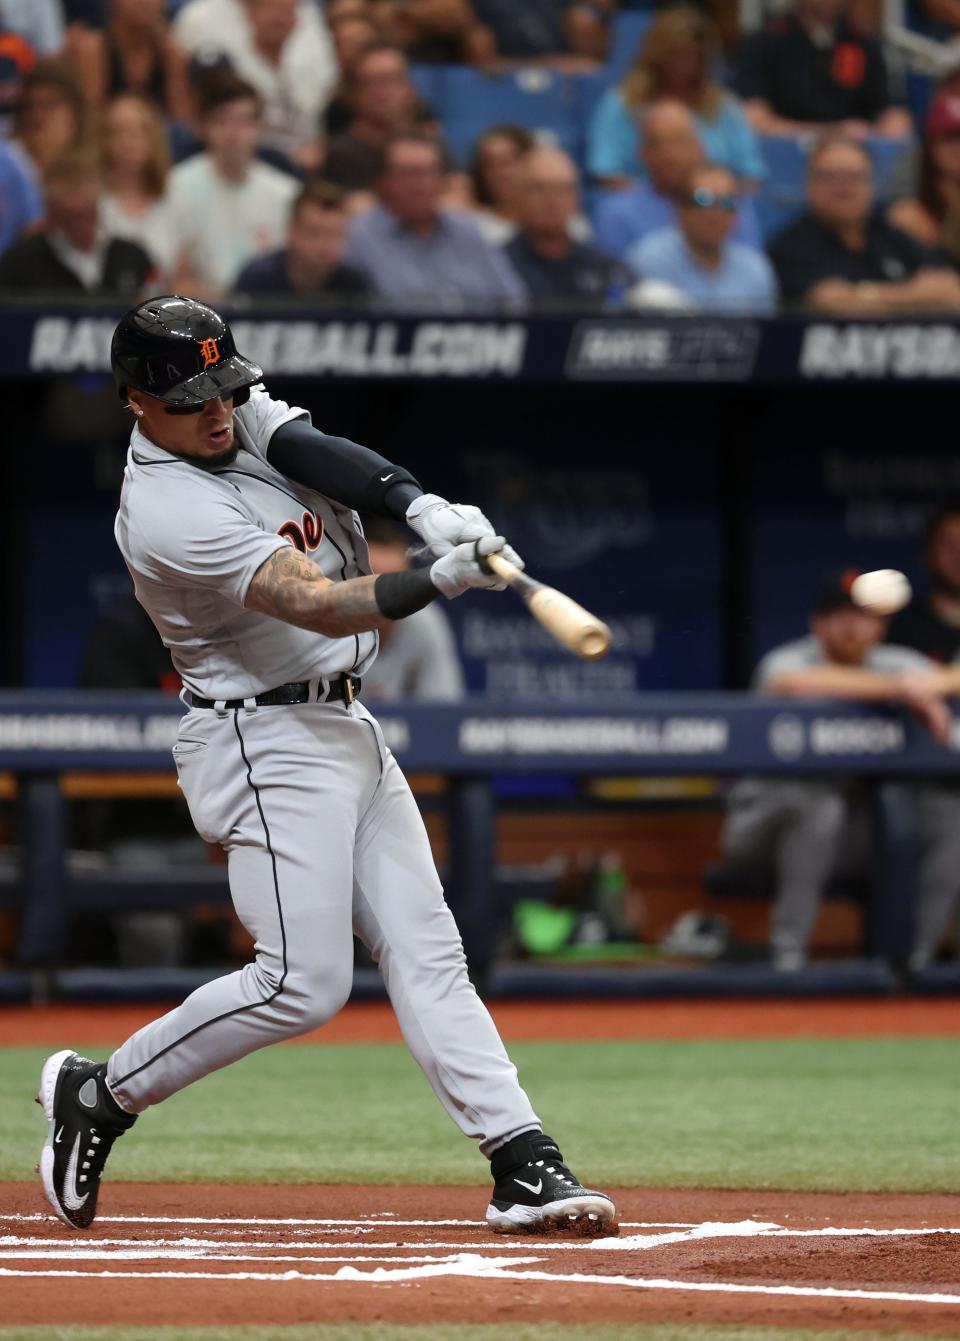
584,634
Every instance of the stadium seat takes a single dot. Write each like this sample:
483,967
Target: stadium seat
781,197
628,30
469,102
428,80
589,89
920,91
886,155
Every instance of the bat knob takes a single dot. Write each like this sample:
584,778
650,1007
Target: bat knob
595,643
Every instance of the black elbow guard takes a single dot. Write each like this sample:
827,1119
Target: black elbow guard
400,594
380,484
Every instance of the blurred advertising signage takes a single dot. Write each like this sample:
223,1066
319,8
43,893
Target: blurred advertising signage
364,348
790,737
883,350
122,733
595,735
688,350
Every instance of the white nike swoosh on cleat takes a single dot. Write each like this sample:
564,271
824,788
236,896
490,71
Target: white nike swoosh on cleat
70,1199
530,1186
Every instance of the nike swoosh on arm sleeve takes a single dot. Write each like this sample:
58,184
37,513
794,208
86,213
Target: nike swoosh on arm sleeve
343,470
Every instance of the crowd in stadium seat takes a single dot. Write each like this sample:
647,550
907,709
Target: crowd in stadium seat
585,152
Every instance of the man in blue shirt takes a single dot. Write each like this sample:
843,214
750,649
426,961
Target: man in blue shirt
555,267
699,260
310,264
411,251
671,149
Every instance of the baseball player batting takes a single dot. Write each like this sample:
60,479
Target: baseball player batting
237,522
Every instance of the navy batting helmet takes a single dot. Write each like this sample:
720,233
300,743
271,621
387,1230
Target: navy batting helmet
182,352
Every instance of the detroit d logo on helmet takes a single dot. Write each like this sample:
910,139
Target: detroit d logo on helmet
209,352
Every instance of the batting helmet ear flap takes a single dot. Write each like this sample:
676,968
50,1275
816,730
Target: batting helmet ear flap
241,397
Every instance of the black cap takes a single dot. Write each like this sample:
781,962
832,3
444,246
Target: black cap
179,350
835,594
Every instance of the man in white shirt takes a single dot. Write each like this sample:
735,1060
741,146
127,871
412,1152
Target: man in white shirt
227,206
283,49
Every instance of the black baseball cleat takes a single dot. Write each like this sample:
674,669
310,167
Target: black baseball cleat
534,1192
85,1120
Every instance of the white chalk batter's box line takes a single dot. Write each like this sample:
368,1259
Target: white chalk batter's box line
359,1224
222,1249
417,1266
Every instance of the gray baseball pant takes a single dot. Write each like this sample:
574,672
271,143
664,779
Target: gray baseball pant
324,839
809,831
938,872
805,831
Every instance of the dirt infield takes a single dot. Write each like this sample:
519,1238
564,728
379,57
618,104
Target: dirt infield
186,1254
569,1021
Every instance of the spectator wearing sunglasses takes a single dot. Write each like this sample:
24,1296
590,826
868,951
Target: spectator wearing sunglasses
843,257
697,258
671,147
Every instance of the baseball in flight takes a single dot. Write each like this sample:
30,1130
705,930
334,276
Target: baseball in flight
883,592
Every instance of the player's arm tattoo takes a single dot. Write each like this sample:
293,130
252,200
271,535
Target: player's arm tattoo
289,587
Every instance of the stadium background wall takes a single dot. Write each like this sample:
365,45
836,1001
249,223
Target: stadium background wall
695,509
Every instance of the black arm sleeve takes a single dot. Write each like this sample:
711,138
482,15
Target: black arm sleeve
400,594
342,470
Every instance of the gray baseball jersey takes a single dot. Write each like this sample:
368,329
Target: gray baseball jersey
804,653
193,539
323,837
417,659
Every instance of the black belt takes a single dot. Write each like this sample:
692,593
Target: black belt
344,689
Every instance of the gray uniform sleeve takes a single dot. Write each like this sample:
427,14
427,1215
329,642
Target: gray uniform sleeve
790,657
260,418
893,659
204,541
439,674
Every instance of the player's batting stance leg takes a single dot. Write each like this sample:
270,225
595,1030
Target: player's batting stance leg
283,768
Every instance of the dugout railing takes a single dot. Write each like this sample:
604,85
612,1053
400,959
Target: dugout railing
44,736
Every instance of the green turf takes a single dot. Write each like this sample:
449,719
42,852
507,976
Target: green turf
834,1115
545,1331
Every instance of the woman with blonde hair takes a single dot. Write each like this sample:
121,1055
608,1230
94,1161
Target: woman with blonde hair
135,154
673,62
